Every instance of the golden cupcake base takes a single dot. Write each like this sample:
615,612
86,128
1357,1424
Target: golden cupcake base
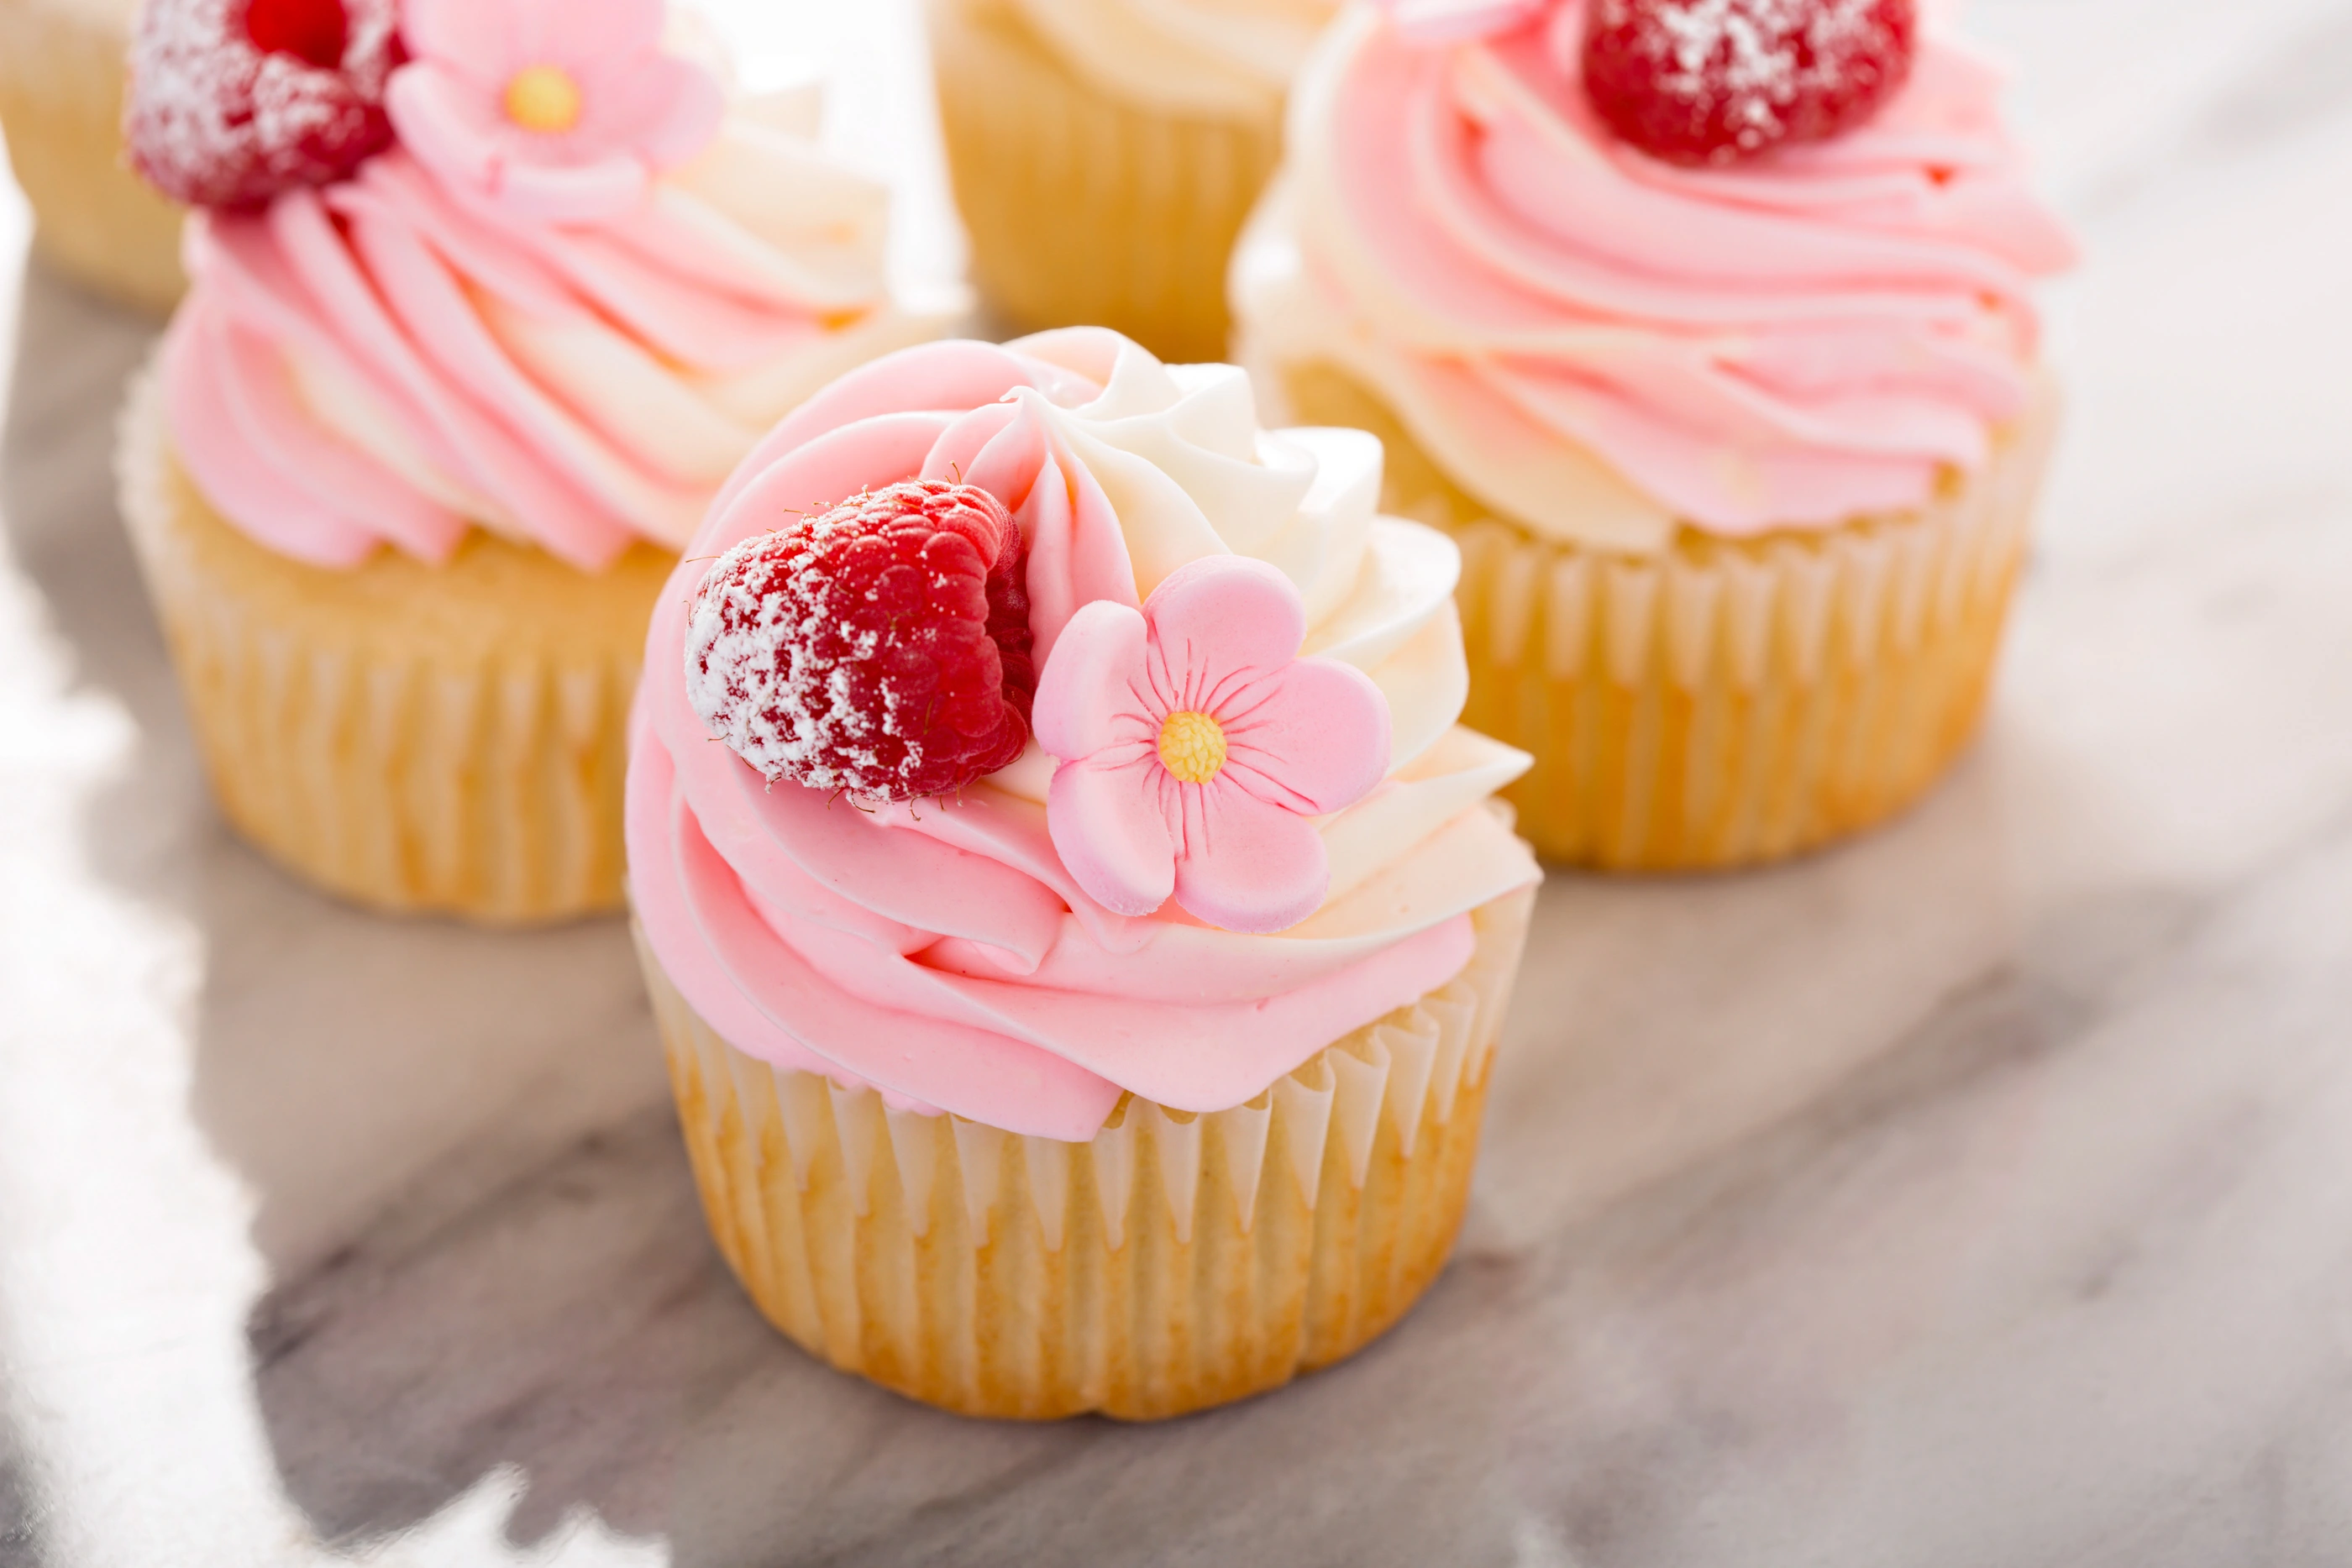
62,87
442,739
1083,209
1732,702
1176,1261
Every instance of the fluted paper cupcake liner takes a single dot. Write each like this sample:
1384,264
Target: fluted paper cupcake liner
1729,702
1174,1262
447,739
61,85
1083,209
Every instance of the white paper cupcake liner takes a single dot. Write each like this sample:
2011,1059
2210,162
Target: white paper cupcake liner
1726,702
447,740
1174,1261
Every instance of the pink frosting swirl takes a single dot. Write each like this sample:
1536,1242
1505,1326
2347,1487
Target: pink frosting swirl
423,347
941,951
1798,340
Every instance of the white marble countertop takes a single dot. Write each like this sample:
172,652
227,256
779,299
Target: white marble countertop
1979,1194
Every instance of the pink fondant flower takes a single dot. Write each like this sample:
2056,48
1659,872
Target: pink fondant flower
1194,744
552,110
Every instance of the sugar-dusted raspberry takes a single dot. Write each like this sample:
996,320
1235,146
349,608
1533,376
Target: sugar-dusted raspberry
315,31
233,101
880,648
1714,81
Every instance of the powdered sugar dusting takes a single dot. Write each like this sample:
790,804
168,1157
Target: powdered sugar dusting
1715,81
754,676
215,122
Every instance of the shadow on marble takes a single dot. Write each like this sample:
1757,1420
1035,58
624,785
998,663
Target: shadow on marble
388,1090
20,1538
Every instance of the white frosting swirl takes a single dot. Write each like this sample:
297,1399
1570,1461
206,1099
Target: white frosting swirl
1173,447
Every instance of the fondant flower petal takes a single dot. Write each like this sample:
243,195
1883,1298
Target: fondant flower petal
1317,729
449,130
1248,865
577,33
444,123
1269,741
472,40
640,110
664,108
1089,697
1107,824
1216,621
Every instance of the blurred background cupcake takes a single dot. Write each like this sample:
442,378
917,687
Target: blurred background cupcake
62,92
1105,152
481,317
1079,926
1707,331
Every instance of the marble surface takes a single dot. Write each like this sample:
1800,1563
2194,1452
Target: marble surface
1980,1193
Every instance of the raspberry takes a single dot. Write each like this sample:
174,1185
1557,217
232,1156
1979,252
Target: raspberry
880,648
233,101
1715,81
311,30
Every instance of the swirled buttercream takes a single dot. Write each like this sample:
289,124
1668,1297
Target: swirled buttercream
396,357
1602,346
939,951
1228,59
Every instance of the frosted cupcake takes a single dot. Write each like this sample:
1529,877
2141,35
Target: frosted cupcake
1706,330
1077,925
61,80
473,338
1105,152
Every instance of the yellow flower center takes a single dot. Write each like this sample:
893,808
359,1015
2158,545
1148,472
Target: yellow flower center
544,99
1191,746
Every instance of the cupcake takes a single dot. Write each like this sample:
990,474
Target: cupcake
483,311
61,108
1706,330
1077,925
1105,152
